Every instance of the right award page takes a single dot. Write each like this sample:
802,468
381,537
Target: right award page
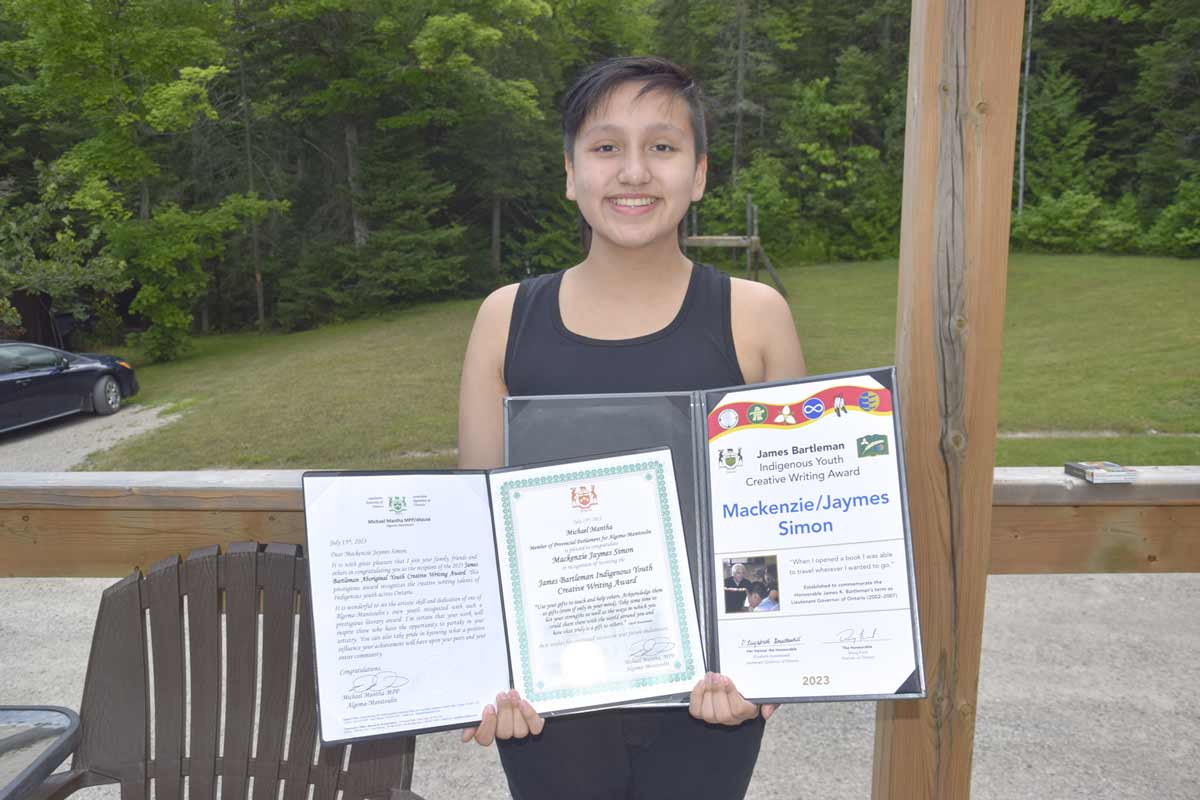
815,597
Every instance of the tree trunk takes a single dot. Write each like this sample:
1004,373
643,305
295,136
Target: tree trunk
361,234
258,287
739,88
496,203
1024,112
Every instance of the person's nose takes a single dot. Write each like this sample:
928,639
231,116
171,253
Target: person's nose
634,169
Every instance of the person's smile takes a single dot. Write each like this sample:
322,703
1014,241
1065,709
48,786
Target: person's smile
633,205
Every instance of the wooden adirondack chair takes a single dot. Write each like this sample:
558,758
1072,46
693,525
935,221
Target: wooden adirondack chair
136,695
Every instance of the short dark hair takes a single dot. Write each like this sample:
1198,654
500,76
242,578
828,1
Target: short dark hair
759,589
593,87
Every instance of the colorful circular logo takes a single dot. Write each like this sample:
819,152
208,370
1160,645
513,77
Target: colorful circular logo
813,408
868,401
727,418
757,413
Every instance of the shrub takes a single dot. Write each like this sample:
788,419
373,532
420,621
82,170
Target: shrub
1057,225
1176,232
10,320
1118,229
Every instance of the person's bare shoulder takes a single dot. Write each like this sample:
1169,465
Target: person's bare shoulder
490,332
481,388
764,332
497,306
752,297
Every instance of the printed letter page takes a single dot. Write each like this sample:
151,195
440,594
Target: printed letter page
406,605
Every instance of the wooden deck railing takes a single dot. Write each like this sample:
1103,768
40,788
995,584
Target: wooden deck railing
104,523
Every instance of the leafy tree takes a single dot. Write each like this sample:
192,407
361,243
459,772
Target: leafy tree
46,250
1059,137
136,75
1168,88
166,253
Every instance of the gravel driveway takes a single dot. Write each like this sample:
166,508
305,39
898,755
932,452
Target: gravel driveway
65,443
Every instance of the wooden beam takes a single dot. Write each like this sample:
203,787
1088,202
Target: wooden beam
218,490
1028,540
958,159
720,241
83,524
1050,486
1050,539
83,542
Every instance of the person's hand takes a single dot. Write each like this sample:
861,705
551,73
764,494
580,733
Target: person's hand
511,718
716,699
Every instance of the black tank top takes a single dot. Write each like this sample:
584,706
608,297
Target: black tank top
695,351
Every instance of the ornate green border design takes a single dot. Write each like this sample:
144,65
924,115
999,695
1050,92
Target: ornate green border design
507,491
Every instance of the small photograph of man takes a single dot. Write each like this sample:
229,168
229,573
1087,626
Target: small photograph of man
737,584
751,584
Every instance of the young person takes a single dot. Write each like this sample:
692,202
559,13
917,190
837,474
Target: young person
635,315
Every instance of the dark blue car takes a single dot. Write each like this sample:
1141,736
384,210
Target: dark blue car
41,383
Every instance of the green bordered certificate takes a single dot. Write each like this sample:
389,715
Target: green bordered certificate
430,592
597,587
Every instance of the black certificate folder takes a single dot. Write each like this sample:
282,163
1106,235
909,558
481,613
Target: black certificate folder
795,517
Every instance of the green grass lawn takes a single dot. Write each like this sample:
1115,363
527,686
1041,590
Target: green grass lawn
1092,345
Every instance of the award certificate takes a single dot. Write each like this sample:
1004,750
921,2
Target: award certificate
809,541
599,599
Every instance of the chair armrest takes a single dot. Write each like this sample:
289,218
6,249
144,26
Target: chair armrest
405,794
61,784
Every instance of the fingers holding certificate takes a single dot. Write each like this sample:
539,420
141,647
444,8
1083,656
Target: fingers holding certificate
598,593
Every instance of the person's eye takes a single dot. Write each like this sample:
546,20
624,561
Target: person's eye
662,147
604,148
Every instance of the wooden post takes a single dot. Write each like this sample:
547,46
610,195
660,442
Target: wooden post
749,233
964,58
754,236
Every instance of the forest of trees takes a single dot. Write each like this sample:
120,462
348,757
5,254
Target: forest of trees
174,166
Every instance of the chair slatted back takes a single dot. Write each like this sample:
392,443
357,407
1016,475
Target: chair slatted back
162,664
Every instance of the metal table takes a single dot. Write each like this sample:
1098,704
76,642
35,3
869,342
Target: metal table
33,741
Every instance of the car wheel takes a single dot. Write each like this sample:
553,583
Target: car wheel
106,395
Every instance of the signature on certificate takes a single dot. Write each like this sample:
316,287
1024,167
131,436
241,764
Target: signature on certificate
654,647
368,682
857,636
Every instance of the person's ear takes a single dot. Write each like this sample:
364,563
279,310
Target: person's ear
570,168
700,178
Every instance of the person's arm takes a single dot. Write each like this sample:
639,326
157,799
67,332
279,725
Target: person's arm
481,390
768,349
481,446
764,333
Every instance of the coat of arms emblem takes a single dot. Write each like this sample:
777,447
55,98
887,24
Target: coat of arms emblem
584,497
729,459
398,504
